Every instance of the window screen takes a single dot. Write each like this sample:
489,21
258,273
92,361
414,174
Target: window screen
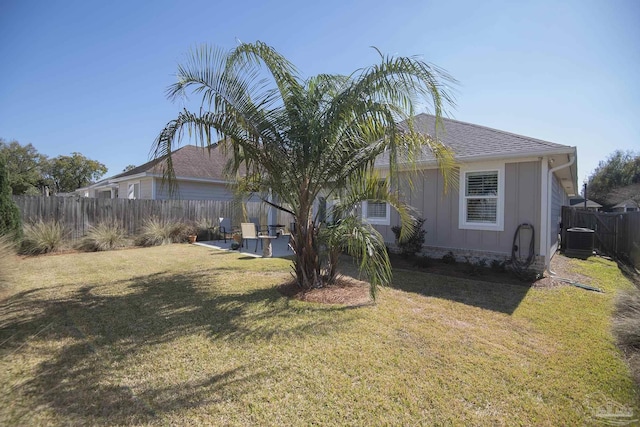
481,194
376,210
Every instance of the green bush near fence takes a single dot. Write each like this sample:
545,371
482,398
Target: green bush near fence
10,223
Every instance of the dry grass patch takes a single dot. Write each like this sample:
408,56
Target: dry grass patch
183,335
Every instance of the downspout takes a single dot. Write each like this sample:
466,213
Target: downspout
547,258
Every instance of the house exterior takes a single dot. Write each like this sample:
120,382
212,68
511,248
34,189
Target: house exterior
199,175
626,206
503,180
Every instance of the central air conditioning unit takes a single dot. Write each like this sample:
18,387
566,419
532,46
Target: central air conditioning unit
579,242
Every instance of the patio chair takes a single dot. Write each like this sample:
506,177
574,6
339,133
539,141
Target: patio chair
250,232
225,228
262,229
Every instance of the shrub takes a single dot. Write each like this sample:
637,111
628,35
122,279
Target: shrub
43,237
498,266
626,328
7,260
207,230
157,232
104,237
10,222
414,243
212,233
449,258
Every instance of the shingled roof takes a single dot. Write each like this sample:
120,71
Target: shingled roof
474,142
189,161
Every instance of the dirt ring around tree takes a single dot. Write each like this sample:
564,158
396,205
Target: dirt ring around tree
345,291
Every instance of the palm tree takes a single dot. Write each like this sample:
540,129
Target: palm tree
303,138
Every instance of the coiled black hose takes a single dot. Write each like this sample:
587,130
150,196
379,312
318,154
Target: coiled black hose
520,266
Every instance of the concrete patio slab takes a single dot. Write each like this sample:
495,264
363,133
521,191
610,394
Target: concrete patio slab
279,246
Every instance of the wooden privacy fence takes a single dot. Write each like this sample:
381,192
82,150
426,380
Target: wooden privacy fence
616,234
78,214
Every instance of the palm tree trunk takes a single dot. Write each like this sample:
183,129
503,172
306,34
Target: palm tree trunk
305,244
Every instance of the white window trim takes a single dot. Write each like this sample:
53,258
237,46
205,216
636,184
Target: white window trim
463,224
376,221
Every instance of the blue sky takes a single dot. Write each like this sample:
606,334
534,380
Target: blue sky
90,76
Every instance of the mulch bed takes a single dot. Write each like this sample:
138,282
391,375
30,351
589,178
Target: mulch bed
346,291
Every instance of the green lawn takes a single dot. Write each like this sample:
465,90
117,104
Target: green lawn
185,335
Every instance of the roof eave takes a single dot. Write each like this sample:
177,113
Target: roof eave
505,156
130,177
521,154
195,179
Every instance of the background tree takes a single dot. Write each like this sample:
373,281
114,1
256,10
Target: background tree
24,167
128,168
302,138
621,169
623,194
68,173
10,222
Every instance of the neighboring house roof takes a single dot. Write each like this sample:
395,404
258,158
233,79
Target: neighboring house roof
627,204
102,184
579,202
188,162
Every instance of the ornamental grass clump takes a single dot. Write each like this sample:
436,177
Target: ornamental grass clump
43,237
104,237
626,327
157,232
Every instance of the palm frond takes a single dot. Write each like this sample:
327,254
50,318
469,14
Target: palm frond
363,242
373,187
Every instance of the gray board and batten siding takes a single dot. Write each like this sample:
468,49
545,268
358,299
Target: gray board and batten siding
441,210
192,190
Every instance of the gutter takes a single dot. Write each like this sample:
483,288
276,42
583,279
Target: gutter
545,238
159,176
489,157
